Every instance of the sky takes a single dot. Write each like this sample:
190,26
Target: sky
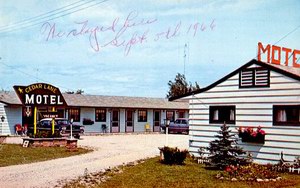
134,47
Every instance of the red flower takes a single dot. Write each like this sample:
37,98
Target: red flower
228,169
253,134
262,132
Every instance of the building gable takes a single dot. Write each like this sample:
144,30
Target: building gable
291,72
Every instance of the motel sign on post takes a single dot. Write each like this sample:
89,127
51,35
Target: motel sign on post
40,94
274,54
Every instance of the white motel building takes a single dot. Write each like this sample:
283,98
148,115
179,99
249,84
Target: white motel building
256,94
111,114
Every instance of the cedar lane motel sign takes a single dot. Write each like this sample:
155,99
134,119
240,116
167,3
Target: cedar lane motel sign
40,94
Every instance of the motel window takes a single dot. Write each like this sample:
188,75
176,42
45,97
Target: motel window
171,116
100,115
142,115
181,114
286,115
75,114
221,114
254,77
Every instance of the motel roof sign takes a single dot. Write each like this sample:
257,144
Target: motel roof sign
40,94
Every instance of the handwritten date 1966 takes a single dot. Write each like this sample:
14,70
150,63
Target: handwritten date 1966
131,31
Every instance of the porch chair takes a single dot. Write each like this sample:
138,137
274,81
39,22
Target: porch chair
18,129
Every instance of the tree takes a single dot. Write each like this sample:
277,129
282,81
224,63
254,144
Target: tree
222,150
79,91
180,86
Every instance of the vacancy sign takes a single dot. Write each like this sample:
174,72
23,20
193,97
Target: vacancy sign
40,94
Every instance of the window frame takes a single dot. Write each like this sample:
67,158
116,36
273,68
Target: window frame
144,117
221,108
97,112
70,115
253,71
287,122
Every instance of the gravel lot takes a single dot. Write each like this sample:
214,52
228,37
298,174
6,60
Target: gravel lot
110,151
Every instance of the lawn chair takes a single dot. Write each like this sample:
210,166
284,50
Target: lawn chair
147,127
25,129
18,129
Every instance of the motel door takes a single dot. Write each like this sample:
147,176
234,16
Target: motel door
156,121
129,121
115,123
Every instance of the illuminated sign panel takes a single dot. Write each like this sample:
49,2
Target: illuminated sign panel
40,94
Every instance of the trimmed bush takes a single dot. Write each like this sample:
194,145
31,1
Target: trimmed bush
173,155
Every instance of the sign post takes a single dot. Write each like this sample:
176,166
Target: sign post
34,120
53,121
71,129
167,123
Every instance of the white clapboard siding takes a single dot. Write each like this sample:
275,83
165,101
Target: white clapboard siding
2,113
234,87
13,116
254,107
251,94
250,100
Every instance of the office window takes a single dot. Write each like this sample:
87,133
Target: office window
254,77
221,114
142,115
100,115
171,116
74,113
286,115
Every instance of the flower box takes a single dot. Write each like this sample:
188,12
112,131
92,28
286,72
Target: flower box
249,135
87,121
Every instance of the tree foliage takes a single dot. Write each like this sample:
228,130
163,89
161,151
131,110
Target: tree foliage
79,91
224,150
180,86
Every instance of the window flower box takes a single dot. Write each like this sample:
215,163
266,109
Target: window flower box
250,135
87,121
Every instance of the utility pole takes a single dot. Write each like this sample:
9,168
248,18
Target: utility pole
184,58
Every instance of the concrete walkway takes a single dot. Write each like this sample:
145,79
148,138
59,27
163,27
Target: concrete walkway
110,151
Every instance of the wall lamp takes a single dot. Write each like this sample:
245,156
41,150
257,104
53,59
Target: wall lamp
2,118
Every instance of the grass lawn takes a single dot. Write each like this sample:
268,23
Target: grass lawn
13,154
152,173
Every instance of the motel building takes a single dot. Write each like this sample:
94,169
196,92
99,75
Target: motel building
99,114
256,94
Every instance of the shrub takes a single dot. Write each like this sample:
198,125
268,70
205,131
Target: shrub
45,134
173,155
224,150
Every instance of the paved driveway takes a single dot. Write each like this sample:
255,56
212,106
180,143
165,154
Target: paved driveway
110,151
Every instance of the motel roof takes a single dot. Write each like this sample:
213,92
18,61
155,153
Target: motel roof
79,100
285,70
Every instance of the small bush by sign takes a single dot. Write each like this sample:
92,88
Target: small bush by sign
250,135
173,155
45,134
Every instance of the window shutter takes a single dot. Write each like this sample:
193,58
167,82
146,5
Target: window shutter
261,77
254,77
246,78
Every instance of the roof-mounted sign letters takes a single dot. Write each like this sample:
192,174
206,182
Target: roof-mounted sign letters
274,54
40,94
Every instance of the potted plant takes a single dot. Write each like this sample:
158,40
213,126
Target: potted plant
250,135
